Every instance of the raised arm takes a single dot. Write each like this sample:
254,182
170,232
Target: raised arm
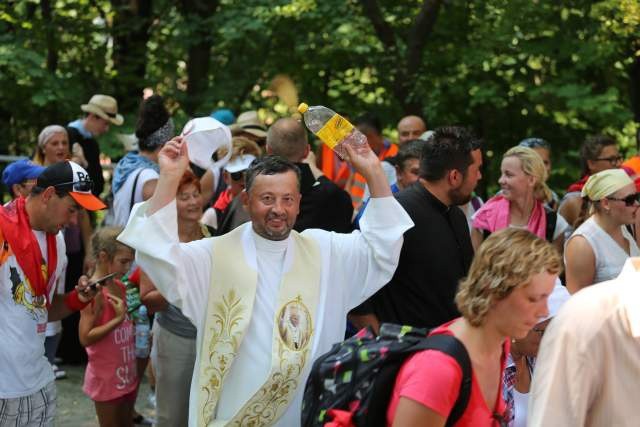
366,163
180,271
365,261
174,161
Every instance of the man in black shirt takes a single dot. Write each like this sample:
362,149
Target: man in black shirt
101,112
437,251
323,205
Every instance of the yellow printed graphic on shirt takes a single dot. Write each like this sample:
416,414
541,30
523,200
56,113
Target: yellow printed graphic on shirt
23,294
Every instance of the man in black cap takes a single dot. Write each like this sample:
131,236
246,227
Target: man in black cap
32,257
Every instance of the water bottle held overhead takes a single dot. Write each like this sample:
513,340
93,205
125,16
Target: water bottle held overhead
332,129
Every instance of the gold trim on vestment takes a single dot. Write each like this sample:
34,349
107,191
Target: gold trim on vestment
230,304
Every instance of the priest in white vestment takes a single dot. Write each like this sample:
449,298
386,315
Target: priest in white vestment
266,301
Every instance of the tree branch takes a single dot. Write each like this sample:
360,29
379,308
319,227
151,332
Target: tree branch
421,28
52,50
382,28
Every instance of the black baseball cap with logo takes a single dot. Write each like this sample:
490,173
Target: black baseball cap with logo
70,177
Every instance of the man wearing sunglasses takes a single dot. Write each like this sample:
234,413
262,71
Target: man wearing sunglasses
32,257
228,207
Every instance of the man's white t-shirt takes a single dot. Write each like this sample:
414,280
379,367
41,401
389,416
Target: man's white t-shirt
122,199
24,369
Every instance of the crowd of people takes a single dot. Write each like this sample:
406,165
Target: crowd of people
255,267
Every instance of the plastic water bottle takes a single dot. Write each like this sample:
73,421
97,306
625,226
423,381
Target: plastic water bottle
143,341
332,129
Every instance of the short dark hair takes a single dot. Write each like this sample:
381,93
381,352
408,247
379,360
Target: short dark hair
270,165
409,150
446,149
592,148
287,138
369,121
36,191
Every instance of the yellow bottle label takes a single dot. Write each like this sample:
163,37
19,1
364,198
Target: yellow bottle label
335,130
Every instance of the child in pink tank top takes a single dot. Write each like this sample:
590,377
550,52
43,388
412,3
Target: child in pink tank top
107,333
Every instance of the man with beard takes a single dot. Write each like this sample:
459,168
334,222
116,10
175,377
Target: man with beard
437,251
235,287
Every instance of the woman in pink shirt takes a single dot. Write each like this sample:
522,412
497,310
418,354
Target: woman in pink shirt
107,333
503,297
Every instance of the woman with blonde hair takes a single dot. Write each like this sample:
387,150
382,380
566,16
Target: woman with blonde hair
53,147
503,298
599,247
521,202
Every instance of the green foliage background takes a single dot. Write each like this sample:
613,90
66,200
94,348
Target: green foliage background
507,68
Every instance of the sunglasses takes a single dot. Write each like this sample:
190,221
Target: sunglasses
80,186
612,160
629,200
237,176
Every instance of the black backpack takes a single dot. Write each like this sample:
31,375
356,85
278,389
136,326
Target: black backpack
358,375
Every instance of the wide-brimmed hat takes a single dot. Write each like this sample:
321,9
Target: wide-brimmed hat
104,106
70,177
249,122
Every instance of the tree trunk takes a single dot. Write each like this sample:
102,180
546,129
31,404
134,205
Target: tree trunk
130,31
198,14
407,60
634,88
50,34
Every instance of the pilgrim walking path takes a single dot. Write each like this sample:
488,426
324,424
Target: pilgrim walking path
75,409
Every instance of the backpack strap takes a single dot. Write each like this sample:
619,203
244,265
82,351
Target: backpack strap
552,219
133,191
453,347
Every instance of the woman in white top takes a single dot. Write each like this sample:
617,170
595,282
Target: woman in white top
136,174
599,247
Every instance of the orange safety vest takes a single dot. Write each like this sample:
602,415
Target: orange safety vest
634,164
359,183
333,167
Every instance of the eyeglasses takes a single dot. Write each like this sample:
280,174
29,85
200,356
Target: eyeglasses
237,176
629,200
535,143
612,160
84,186
539,331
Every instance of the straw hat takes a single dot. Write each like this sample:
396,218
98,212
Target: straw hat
104,106
249,122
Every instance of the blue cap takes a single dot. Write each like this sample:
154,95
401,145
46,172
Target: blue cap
20,171
224,116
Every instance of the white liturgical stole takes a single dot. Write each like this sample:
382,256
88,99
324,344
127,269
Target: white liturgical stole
229,307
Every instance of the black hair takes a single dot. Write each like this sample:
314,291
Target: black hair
270,165
61,193
369,121
409,150
592,148
448,148
152,115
